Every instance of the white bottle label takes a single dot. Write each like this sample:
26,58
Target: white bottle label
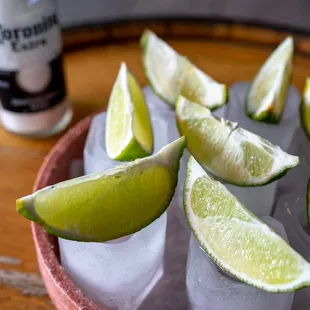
31,69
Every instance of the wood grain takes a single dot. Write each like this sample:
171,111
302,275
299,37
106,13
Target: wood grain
90,74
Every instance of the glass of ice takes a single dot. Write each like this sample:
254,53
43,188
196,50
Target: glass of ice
210,288
118,274
291,210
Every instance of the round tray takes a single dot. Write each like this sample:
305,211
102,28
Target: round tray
227,51
56,168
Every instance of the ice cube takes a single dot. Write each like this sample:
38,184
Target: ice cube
161,111
297,178
210,288
170,292
260,200
221,112
291,210
95,157
156,105
117,275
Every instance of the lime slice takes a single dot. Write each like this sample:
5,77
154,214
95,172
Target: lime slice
267,95
128,126
109,205
230,153
236,240
171,74
305,109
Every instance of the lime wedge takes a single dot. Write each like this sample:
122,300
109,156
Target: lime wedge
128,126
171,74
230,153
267,94
109,205
305,109
236,240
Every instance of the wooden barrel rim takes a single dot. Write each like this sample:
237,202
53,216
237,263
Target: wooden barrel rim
241,32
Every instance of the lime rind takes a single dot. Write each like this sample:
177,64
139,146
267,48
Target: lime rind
132,147
229,152
24,206
167,158
278,66
141,125
145,43
132,151
195,171
178,75
305,109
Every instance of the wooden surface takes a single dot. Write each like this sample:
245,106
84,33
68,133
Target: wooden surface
90,74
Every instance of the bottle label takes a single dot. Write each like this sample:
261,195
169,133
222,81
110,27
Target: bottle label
28,37
23,92
31,68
